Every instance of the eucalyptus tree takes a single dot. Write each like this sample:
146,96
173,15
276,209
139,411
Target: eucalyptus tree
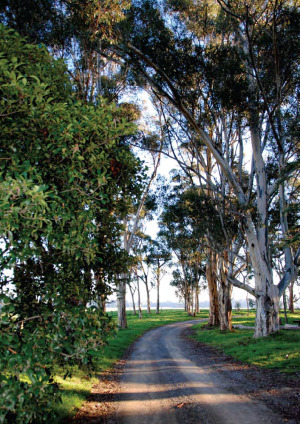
142,250
130,226
158,257
185,239
240,42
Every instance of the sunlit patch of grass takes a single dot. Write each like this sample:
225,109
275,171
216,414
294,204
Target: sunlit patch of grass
74,392
280,350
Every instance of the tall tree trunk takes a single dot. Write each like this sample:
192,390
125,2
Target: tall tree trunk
224,294
267,294
100,289
188,301
211,277
148,296
285,308
192,299
291,297
121,301
267,308
158,287
197,308
103,302
139,299
132,297
267,311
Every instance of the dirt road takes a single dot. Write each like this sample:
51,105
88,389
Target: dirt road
168,378
166,381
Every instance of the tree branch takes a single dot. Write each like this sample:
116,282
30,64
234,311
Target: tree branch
290,273
243,286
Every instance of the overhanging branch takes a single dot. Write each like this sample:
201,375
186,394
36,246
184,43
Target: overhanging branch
236,283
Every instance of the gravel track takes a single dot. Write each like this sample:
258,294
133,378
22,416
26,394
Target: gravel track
169,379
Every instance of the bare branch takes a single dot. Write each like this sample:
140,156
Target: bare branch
243,286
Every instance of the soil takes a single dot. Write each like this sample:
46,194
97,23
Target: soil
129,394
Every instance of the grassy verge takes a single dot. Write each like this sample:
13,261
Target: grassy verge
76,389
281,350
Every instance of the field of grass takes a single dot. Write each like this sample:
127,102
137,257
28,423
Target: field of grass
281,350
76,389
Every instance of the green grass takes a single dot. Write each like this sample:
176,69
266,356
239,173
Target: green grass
268,352
75,390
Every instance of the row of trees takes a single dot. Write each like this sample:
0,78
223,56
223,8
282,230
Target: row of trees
226,76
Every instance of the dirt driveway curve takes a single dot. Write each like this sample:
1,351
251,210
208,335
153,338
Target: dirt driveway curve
167,379
164,382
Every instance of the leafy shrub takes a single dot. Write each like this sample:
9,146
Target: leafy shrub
58,333
59,200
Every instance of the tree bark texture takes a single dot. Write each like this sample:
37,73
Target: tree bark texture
224,294
121,301
291,297
211,277
158,287
139,299
197,308
148,297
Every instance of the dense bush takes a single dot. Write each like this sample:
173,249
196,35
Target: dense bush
31,346
60,205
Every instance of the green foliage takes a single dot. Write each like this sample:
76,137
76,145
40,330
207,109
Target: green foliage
30,347
56,23
56,155
66,177
38,20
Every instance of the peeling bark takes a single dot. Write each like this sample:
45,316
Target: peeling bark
291,297
267,312
157,288
211,277
224,295
121,301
